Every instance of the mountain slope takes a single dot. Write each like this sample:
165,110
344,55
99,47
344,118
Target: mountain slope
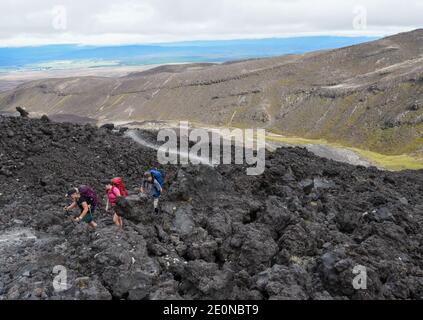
368,96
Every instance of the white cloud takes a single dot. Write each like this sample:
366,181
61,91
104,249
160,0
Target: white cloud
131,21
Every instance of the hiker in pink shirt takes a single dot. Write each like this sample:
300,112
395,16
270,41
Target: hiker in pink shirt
112,193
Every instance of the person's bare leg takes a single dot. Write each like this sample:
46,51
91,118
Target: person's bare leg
116,219
92,224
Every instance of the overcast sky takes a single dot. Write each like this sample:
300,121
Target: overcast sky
30,22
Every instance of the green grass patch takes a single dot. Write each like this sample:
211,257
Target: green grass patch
388,162
294,140
284,82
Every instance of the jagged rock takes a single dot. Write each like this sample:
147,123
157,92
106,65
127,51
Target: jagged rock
277,215
348,221
414,107
108,126
403,201
307,185
22,112
323,183
183,223
257,249
382,214
45,119
133,207
207,279
135,286
285,283
123,130
82,288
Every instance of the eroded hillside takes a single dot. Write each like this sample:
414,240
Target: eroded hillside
368,96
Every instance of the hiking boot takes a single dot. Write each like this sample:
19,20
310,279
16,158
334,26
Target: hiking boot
156,211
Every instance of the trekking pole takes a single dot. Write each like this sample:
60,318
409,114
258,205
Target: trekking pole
67,215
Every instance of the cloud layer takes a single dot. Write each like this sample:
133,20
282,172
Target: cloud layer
146,21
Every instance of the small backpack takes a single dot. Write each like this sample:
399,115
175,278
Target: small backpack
158,176
118,183
90,194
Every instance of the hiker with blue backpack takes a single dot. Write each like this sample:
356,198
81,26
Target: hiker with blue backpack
153,186
86,199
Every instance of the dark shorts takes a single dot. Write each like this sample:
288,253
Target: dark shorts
89,217
116,211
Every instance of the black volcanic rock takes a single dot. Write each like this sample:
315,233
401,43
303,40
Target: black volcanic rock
108,126
295,232
23,113
45,118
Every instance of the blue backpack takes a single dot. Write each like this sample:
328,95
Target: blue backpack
158,176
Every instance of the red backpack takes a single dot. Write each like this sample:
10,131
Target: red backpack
118,183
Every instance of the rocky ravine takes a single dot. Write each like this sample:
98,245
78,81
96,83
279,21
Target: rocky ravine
296,232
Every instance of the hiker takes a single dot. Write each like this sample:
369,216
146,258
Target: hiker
153,185
114,189
86,199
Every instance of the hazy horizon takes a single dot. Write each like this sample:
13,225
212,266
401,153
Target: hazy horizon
74,56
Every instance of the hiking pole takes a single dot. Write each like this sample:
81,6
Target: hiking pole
67,215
